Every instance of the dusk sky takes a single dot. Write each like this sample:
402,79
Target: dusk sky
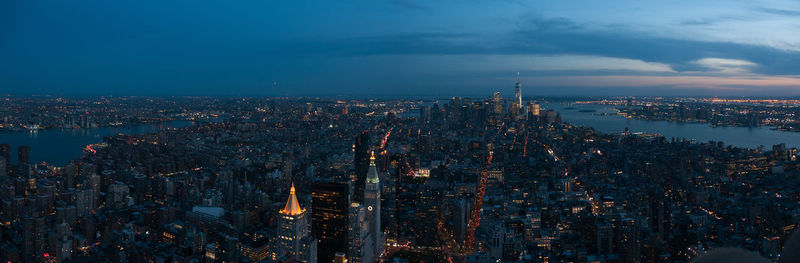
400,48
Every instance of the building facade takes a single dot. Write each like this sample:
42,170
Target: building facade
293,238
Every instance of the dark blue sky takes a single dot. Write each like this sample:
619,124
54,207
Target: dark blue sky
400,47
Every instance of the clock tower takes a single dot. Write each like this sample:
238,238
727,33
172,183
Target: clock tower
372,202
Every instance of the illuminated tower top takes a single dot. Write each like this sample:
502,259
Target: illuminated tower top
372,174
292,206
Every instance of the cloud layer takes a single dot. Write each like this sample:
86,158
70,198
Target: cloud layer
389,47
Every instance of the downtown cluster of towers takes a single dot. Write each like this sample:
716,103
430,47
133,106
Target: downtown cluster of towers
339,229
517,108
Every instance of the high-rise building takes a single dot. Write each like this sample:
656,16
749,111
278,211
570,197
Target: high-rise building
372,201
358,249
497,235
117,195
459,219
24,153
84,202
293,237
34,236
2,167
424,112
518,93
142,188
497,103
361,163
5,153
330,204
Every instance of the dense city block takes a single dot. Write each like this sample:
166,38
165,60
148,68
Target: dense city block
324,180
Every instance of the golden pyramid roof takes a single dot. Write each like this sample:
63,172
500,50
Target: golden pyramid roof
292,206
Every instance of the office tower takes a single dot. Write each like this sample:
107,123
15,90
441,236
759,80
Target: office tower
2,167
8,192
5,153
294,239
535,109
70,171
358,249
361,163
33,236
254,246
62,245
330,203
142,188
24,160
436,116
459,219
497,235
518,96
93,183
497,103
84,201
605,236
24,153
372,201
117,195
424,112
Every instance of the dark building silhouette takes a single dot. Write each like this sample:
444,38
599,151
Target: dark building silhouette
330,203
24,154
5,152
24,159
361,162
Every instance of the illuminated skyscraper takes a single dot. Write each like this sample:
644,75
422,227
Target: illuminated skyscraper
293,237
518,93
372,201
497,103
330,205
358,248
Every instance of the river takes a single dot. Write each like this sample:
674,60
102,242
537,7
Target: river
749,137
59,147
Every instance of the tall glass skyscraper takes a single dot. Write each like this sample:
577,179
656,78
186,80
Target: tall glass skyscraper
330,205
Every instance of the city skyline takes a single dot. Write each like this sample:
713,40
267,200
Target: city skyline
400,131
393,48
472,180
